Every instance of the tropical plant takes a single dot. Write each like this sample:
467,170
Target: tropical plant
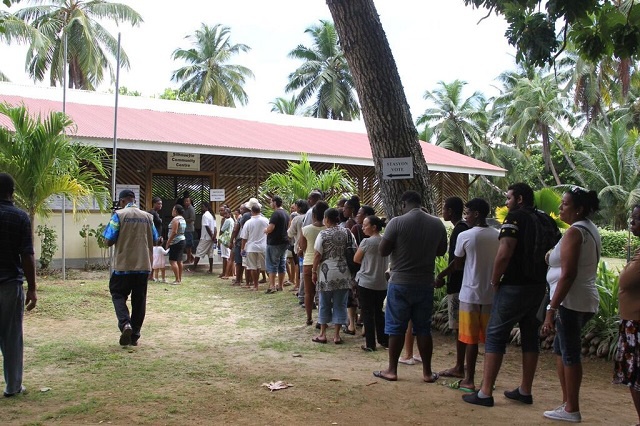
324,76
285,106
545,199
609,161
209,75
13,28
536,109
44,162
300,179
48,245
458,123
602,331
176,95
86,232
89,44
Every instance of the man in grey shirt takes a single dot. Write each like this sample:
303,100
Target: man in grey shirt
413,241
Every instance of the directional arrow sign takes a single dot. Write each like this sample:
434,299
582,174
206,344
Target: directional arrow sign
397,168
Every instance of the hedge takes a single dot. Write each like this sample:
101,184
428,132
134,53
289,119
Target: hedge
614,243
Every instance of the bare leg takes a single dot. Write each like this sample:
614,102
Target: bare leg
336,336
470,375
254,278
572,380
351,312
281,280
561,377
529,364
162,272
211,265
180,268
635,395
272,280
225,261
408,343
395,347
323,332
492,364
425,347
174,268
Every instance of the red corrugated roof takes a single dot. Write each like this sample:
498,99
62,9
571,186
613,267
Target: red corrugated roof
153,130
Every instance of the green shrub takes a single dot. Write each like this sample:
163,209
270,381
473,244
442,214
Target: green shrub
602,331
614,243
48,245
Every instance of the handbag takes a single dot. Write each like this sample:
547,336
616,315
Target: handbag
225,237
349,253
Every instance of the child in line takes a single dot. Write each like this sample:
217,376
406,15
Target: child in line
158,261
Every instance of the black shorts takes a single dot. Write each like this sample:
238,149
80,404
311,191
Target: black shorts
176,250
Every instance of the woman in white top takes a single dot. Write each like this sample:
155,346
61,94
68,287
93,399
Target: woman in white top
573,265
306,246
372,283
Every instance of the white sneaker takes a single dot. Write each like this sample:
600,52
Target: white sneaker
407,361
560,414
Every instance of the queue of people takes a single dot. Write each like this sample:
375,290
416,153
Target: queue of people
495,279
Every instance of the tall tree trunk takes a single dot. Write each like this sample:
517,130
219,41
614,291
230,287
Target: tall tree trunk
384,105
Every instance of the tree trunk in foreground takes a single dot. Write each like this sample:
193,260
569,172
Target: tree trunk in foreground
385,110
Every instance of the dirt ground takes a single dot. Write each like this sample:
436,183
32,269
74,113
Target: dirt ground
206,366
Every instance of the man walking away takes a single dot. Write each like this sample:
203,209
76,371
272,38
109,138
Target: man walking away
207,243
132,232
16,263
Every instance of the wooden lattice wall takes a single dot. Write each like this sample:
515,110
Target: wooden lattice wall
241,177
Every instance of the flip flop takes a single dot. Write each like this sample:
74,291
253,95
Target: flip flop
456,386
451,373
338,342
379,375
318,340
434,378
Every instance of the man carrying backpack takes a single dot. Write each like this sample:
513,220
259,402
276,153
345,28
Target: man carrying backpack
519,282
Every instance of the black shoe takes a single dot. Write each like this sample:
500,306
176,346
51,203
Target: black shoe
473,398
517,396
318,326
22,391
134,342
125,337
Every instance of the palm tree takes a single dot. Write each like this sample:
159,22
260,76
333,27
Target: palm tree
208,74
44,162
457,122
285,106
300,179
89,44
324,76
12,28
609,162
535,108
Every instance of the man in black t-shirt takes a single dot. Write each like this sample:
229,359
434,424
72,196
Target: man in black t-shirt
452,212
519,291
156,206
277,243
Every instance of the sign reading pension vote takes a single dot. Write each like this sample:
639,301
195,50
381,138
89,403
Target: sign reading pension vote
183,161
397,168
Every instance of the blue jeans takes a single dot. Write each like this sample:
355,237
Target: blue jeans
408,302
567,343
11,343
515,304
333,307
276,259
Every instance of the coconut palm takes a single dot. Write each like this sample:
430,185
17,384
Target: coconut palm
209,75
300,179
609,161
44,162
456,121
324,78
285,106
535,108
14,29
89,45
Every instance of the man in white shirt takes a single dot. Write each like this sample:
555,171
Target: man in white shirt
207,238
254,243
475,252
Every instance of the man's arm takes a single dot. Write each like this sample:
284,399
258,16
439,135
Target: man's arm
29,267
505,251
269,229
386,247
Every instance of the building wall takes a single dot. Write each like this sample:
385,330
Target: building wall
239,176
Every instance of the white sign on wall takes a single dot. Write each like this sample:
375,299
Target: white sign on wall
134,188
397,168
216,195
183,161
